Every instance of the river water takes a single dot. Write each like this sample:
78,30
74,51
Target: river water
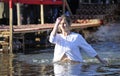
107,44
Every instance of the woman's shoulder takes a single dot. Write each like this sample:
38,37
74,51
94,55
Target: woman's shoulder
76,34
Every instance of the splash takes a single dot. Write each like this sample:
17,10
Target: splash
108,32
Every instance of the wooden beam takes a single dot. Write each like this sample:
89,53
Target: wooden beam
11,26
63,6
67,5
18,14
42,13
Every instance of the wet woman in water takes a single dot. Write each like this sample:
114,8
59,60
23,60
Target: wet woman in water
68,44
67,48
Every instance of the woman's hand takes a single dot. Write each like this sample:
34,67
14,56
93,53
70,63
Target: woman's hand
101,60
58,20
55,29
104,62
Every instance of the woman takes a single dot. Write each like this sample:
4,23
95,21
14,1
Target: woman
68,44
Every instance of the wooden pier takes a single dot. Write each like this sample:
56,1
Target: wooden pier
19,32
39,27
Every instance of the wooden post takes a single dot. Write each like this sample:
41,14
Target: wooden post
11,27
68,7
42,13
11,39
1,9
23,43
63,6
18,14
10,65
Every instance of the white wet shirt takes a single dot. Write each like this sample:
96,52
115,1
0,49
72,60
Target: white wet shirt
70,45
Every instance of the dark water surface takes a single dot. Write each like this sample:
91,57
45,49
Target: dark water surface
40,64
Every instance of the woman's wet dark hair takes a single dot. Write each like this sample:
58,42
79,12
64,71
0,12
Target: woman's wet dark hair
67,19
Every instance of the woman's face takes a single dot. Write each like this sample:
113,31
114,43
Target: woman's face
63,25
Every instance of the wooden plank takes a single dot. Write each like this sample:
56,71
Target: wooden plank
40,27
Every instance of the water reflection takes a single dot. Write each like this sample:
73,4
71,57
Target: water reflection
111,70
41,64
67,69
25,69
9,66
6,66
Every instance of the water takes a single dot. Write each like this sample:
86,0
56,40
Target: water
40,64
